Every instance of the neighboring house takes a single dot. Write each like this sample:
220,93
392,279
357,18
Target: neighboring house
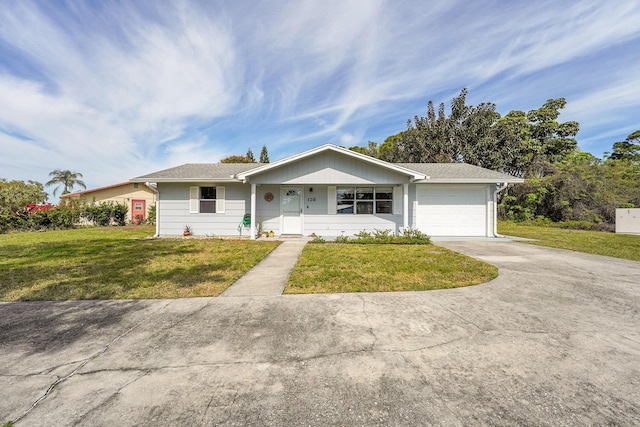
138,197
329,191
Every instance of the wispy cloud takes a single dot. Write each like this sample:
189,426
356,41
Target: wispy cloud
117,89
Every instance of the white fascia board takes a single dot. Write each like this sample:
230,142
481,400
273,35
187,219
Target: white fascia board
330,147
209,179
469,181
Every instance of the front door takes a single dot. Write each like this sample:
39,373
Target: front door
138,211
292,210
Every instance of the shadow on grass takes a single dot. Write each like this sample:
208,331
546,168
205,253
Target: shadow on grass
117,268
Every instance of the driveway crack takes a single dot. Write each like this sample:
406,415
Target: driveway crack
370,329
82,364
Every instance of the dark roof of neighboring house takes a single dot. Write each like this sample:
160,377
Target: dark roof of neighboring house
93,190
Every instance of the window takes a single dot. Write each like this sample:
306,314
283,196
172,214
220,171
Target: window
364,200
207,199
137,206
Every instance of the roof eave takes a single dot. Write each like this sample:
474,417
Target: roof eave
157,180
470,181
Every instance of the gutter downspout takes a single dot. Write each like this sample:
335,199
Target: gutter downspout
157,218
500,186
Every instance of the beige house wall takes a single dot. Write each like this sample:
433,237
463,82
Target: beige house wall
123,194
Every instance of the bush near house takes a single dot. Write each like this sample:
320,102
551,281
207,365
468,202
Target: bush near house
49,217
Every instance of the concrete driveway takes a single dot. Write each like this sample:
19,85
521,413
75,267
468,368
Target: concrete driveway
555,340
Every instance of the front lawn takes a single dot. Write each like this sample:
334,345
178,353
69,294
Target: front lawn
625,246
119,263
327,268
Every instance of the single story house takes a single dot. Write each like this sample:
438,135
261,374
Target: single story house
329,191
138,197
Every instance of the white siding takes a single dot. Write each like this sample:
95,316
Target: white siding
330,168
452,210
175,210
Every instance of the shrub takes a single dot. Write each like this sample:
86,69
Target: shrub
409,236
318,239
151,216
342,239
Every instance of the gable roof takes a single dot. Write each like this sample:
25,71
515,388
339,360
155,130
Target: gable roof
330,147
93,190
461,173
419,172
198,172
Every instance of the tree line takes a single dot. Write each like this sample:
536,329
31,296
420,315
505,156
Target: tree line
562,183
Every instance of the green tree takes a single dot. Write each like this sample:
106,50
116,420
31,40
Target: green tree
15,195
521,144
236,159
66,179
250,157
629,149
370,150
264,155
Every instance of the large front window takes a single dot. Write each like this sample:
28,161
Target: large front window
207,199
364,200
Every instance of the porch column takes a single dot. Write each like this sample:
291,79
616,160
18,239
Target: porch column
405,206
253,212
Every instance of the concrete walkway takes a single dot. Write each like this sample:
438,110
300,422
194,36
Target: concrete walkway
270,276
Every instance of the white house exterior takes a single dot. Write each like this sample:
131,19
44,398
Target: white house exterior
329,191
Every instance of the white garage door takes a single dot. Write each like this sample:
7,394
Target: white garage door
452,210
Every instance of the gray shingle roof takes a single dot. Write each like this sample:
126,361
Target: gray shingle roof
198,172
458,172
219,172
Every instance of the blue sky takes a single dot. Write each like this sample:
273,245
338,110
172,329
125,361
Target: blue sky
117,89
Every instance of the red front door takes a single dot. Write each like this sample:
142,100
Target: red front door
138,211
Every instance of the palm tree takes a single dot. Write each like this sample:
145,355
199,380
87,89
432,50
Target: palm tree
65,178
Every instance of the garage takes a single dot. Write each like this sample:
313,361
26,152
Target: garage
452,210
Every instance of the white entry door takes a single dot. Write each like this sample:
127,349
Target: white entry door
292,210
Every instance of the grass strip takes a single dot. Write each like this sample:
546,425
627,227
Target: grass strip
384,268
625,246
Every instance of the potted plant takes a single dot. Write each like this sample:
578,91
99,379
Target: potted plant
261,231
271,233
187,230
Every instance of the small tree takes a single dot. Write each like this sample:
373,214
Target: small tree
264,155
15,195
629,149
66,179
250,157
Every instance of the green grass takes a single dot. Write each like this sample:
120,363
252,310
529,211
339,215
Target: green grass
119,263
624,246
384,268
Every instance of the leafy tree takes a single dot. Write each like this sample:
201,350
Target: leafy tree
236,159
370,150
264,155
521,144
629,149
66,179
250,157
15,195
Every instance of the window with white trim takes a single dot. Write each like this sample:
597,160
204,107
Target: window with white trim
364,200
209,199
